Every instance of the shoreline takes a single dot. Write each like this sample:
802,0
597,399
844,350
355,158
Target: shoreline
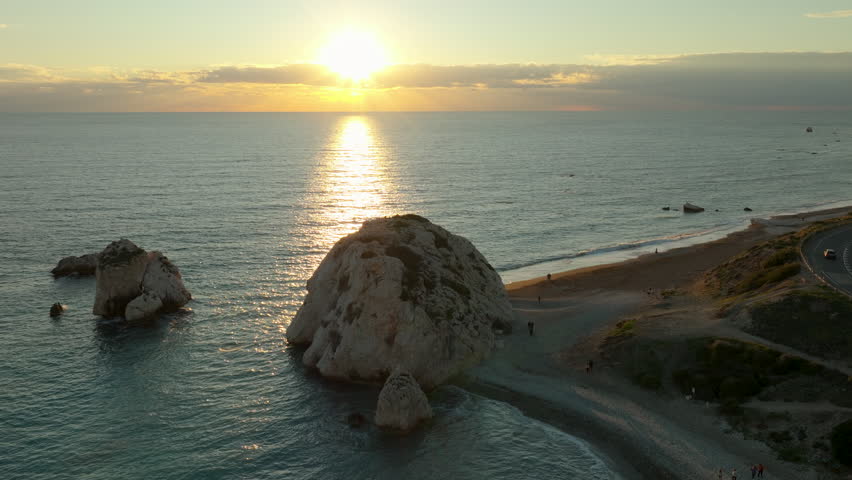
639,434
617,254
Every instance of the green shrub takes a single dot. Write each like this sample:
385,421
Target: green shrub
841,442
780,257
772,275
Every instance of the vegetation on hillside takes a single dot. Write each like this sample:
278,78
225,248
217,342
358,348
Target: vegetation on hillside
814,320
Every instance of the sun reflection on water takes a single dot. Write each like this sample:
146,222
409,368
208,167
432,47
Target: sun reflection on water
352,184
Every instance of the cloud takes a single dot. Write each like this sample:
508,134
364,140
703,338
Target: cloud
296,74
711,81
834,14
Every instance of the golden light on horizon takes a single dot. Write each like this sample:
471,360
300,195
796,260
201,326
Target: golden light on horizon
354,55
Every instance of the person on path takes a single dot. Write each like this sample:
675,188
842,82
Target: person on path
531,327
734,474
720,474
548,277
539,299
590,366
753,471
760,470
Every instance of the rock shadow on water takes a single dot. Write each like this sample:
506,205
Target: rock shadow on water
117,334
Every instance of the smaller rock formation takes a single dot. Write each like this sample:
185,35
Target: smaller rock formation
809,129
82,265
56,309
690,208
402,404
746,209
136,284
667,208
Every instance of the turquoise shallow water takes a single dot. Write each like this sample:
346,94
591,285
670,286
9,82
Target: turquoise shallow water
247,204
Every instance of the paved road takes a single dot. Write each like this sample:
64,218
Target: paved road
837,272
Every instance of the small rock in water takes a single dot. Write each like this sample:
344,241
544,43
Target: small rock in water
667,208
809,129
690,208
56,309
402,404
356,419
746,209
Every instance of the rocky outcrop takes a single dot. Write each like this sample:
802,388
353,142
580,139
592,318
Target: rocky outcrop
136,284
118,278
690,208
402,404
162,279
144,306
82,265
401,292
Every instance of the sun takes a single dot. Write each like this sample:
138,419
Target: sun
353,55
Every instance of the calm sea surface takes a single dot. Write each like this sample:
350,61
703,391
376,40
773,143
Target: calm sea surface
247,205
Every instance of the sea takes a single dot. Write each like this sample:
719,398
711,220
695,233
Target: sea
248,204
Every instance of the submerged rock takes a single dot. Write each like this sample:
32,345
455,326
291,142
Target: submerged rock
402,404
133,283
746,209
82,265
400,292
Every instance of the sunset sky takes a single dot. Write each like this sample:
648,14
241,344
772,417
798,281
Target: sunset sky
98,55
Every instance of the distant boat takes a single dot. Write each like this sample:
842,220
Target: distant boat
690,208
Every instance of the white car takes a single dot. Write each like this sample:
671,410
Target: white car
829,254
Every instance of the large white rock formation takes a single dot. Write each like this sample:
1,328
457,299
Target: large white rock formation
133,283
402,404
401,292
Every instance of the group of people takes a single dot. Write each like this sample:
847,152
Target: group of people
756,472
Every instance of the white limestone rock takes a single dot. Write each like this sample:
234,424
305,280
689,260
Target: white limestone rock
401,292
82,265
402,404
163,279
118,278
144,306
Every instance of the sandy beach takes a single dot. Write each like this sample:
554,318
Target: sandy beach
643,434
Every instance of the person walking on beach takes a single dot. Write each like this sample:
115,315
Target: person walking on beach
589,366
720,474
531,326
753,471
548,277
734,474
760,470
539,299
